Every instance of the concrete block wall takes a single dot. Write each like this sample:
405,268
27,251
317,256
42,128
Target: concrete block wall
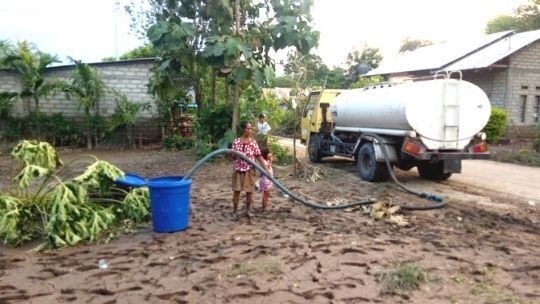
11,82
524,80
493,82
130,77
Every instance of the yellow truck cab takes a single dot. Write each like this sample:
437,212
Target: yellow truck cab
316,111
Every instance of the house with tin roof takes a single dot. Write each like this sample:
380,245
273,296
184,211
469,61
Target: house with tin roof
505,65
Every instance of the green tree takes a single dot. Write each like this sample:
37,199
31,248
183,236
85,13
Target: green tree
410,45
6,49
335,79
87,88
305,69
30,63
317,74
282,82
525,18
125,115
365,81
144,51
360,62
229,38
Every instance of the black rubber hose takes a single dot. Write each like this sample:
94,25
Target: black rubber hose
439,201
278,184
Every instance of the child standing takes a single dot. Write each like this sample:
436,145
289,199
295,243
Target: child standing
265,185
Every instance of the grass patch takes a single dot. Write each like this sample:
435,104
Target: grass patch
405,277
521,156
487,288
469,228
260,266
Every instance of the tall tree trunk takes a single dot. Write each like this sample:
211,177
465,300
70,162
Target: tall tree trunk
235,108
237,16
236,85
88,131
36,112
198,99
213,87
228,98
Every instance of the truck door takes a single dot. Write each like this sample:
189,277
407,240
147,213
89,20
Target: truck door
309,115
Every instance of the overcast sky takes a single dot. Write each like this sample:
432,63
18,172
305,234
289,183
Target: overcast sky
88,29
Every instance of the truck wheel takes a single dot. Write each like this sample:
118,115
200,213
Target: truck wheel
314,149
368,168
433,171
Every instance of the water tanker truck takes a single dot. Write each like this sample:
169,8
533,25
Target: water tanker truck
431,124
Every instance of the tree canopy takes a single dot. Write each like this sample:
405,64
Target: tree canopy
525,18
409,44
6,49
227,38
314,73
361,62
143,51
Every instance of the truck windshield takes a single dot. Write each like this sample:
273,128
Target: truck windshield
311,103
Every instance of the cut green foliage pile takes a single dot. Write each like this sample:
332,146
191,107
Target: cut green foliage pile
39,204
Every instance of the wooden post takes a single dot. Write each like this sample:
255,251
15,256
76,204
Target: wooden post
295,173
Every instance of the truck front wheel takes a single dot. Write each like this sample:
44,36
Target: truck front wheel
368,168
314,148
433,171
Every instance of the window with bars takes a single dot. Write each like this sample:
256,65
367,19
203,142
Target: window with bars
523,108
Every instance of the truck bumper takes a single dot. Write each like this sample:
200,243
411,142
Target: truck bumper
452,156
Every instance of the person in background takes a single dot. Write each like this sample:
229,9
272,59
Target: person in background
263,128
245,175
265,185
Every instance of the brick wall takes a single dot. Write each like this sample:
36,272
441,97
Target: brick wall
130,77
524,81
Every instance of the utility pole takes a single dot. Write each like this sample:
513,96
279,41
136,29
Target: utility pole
116,4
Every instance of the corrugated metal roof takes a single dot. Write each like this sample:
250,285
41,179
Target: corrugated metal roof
434,57
495,52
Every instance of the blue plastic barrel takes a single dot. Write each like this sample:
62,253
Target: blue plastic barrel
169,201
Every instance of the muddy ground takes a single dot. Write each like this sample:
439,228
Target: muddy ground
483,247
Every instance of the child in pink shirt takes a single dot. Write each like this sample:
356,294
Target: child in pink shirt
265,185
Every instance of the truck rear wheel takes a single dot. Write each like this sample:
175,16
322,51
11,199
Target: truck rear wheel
368,168
433,171
314,148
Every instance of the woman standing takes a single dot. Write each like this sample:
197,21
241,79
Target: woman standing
245,175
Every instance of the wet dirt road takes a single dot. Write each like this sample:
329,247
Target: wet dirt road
508,179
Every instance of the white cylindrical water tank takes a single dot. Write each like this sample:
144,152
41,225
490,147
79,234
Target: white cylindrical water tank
446,113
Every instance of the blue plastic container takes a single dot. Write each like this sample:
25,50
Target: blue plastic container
131,180
169,201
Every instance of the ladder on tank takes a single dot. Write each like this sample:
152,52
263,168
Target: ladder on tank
451,112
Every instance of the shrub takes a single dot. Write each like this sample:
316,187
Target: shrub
282,156
213,122
496,125
536,139
54,128
204,146
287,124
173,141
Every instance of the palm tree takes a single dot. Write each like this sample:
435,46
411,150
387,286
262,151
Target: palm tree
31,64
87,88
